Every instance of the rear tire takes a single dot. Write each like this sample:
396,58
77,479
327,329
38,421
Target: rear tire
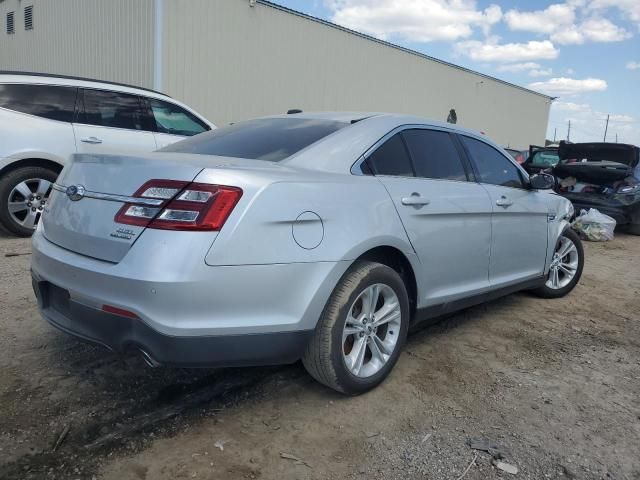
21,191
568,260
333,355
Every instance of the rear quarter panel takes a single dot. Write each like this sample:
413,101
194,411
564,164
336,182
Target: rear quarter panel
355,214
25,136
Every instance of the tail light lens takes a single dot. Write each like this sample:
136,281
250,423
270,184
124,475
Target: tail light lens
185,206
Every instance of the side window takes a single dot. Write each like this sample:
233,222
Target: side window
391,158
175,120
113,109
52,102
493,167
434,154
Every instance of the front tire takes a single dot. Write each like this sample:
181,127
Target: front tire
362,329
23,196
566,266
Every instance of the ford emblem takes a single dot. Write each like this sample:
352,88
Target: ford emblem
75,192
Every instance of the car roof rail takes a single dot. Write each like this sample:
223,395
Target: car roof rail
84,79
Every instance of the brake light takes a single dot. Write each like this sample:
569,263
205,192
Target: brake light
184,206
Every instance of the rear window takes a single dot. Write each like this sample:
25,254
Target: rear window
271,139
52,102
544,159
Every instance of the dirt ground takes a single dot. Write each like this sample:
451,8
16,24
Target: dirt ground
554,384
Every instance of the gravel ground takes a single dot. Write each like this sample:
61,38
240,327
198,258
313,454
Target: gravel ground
553,386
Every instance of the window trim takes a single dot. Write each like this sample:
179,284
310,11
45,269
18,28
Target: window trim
524,177
357,167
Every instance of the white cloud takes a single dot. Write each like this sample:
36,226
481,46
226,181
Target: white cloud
587,124
570,71
549,20
559,21
571,107
413,20
569,86
518,67
631,65
491,51
629,8
540,72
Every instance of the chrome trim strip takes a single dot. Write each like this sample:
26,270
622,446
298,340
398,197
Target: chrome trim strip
153,202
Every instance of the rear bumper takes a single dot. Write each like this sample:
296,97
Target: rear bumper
188,313
121,334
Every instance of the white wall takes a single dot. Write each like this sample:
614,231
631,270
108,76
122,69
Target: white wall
232,61
103,39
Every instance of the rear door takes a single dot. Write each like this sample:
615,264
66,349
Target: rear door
108,122
447,218
172,122
520,216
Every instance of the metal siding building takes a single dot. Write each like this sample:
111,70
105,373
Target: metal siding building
231,61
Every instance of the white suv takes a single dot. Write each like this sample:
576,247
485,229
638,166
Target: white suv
45,119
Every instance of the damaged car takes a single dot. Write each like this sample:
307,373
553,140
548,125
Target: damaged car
604,176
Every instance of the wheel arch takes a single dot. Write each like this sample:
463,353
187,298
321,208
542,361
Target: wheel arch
31,162
394,258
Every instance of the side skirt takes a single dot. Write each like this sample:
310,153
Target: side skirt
434,313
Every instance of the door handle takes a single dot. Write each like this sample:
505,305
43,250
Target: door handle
92,140
504,202
415,200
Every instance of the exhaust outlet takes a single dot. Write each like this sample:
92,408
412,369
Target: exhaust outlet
148,359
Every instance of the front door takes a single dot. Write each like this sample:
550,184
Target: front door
110,122
520,216
446,217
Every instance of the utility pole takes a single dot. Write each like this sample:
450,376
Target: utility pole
616,138
569,131
555,130
605,129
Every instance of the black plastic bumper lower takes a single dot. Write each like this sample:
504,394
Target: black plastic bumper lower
122,333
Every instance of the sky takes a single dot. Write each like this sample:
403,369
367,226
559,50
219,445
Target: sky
585,52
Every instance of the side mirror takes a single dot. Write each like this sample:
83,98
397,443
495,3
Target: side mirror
542,181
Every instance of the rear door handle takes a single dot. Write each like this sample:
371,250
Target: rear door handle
504,202
415,200
92,140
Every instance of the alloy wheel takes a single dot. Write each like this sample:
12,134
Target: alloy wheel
371,331
27,200
564,264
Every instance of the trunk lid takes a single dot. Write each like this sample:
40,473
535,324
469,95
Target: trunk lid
597,163
87,225
598,151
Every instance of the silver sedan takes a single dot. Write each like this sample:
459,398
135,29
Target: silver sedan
320,237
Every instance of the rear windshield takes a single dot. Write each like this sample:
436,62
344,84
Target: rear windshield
271,139
544,159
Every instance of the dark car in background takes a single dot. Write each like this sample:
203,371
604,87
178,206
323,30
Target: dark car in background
605,176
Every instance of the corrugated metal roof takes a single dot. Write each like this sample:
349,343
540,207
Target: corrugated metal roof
397,47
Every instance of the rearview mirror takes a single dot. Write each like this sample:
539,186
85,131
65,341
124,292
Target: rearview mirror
542,181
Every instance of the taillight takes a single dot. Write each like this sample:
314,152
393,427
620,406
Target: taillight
185,206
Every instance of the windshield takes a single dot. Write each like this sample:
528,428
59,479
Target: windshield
271,139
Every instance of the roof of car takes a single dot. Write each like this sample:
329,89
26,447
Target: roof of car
71,81
397,118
